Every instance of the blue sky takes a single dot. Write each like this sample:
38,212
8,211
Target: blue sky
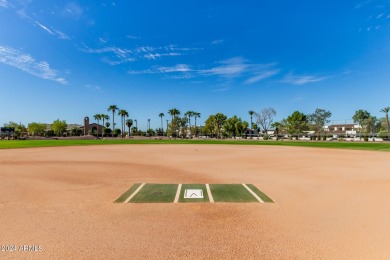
70,59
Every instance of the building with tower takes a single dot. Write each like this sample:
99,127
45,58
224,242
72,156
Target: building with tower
93,128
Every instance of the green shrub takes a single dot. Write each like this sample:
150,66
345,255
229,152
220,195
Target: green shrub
117,132
107,131
384,135
76,131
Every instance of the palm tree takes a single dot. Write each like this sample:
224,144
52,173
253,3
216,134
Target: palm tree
113,109
129,123
97,118
161,115
250,112
174,112
219,121
189,114
167,127
134,130
386,110
196,114
123,113
104,117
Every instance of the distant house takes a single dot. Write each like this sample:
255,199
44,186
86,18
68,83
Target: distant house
68,128
71,126
347,130
88,128
6,132
251,132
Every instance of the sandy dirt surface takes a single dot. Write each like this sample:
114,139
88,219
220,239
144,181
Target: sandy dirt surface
329,204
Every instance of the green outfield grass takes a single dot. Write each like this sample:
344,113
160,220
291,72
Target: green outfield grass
231,193
10,144
152,193
127,193
193,186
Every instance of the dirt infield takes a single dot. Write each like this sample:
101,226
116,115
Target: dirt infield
332,204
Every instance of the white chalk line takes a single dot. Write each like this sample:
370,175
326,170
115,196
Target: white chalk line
177,194
209,193
135,192
254,194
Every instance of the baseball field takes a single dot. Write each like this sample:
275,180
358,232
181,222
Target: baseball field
194,202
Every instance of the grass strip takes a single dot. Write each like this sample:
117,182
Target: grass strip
125,195
231,193
194,186
259,193
12,144
156,193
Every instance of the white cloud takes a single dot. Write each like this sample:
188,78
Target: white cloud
295,100
27,63
102,40
239,67
72,10
133,37
181,76
177,68
154,56
229,69
61,35
119,52
363,3
147,71
58,34
22,14
262,75
44,27
123,55
302,80
180,68
217,42
94,87
4,3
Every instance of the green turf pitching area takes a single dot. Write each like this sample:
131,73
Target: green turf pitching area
192,193
155,193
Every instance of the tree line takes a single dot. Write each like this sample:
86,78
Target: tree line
216,125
